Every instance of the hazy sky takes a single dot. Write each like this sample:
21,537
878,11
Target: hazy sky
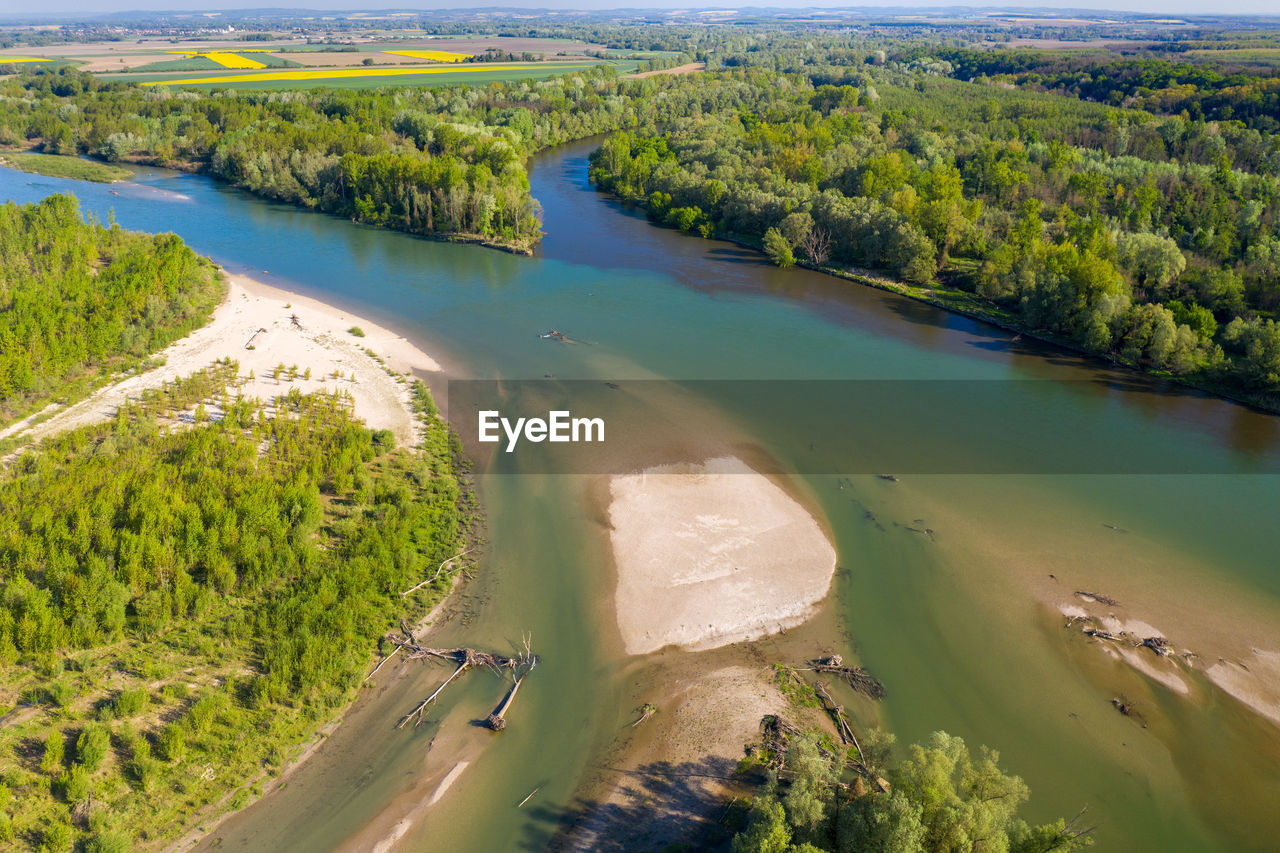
1182,7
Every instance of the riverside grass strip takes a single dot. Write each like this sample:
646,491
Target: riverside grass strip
536,69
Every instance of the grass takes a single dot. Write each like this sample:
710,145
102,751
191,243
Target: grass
365,78
60,166
190,63
356,331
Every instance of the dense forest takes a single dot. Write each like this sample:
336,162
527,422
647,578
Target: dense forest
938,799
181,607
1148,239
447,162
79,297
1163,85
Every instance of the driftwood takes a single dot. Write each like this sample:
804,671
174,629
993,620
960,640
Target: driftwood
1101,634
439,570
497,720
837,715
394,652
1159,645
530,797
463,660
857,677
647,710
1099,597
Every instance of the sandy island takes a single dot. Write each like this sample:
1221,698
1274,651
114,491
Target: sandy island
677,777
711,554
255,326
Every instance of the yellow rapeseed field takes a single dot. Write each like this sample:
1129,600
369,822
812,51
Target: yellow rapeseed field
6,58
433,55
334,73
226,59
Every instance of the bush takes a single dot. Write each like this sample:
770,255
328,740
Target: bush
200,717
173,743
356,331
55,747
130,702
76,785
108,841
93,745
58,837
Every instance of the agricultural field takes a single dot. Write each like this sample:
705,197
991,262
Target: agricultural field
157,55
366,78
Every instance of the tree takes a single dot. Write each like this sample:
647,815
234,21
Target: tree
940,799
1156,262
778,249
766,830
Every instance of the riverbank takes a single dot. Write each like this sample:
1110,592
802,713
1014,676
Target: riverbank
196,167
63,166
967,304
282,341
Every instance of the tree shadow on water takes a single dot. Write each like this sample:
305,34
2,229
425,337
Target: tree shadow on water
661,804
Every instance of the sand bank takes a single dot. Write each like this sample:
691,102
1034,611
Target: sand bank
1256,683
673,784
255,326
711,554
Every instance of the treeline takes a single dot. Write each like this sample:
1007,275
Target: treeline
1156,84
939,799
1170,266
428,161
78,297
183,604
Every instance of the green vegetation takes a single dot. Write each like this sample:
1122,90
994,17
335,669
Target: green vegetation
58,166
182,607
79,299
939,799
1153,242
1198,91
356,331
179,63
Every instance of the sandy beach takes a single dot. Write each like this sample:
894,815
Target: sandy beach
711,554
260,327
676,777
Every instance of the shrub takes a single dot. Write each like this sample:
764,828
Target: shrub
93,745
55,746
173,743
58,837
76,785
130,702
356,331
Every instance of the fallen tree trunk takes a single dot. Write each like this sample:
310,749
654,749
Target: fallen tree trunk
497,720
837,715
463,660
857,677
418,711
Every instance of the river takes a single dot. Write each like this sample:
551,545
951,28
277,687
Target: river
959,625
